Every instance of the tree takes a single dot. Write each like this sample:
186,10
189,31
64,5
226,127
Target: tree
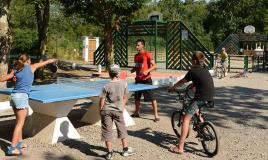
171,9
23,27
41,10
42,16
266,21
193,15
105,13
231,16
4,39
142,13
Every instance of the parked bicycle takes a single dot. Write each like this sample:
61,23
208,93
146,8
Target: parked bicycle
219,69
206,132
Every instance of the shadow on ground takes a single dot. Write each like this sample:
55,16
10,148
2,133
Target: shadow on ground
241,104
85,148
164,140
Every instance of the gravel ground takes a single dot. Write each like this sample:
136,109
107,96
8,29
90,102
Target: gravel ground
240,117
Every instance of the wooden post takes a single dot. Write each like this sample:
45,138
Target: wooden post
246,63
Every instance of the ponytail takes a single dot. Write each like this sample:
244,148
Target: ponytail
19,63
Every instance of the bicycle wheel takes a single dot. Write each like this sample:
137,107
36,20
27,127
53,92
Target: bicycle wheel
218,72
176,121
210,141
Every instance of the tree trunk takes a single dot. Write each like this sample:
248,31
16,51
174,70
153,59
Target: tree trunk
4,39
108,29
42,17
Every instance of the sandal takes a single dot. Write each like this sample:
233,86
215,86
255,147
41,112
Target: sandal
156,119
21,145
11,149
175,150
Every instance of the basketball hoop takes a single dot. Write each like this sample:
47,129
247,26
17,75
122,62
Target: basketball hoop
249,29
155,16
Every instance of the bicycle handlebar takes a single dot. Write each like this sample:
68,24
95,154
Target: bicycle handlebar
185,95
184,92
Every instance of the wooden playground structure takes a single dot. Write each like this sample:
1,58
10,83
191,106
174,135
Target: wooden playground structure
246,52
171,42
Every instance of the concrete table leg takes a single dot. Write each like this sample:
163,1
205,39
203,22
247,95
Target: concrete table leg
49,122
92,115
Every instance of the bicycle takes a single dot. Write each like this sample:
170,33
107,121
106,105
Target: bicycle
219,69
206,132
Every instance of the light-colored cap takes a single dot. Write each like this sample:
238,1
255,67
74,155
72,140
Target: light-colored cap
114,69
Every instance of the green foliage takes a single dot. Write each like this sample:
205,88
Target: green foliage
23,39
171,9
64,32
23,26
142,13
231,16
211,22
193,15
22,15
105,13
102,11
266,21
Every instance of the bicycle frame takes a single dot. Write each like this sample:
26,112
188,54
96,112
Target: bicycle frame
219,69
206,132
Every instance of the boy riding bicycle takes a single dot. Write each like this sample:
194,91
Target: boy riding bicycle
204,91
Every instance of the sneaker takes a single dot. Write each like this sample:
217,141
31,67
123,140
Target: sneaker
128,152
135,115
109,155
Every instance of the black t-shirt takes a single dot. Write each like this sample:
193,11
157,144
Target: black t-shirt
202,81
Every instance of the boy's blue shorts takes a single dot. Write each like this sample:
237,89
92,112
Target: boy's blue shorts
193,108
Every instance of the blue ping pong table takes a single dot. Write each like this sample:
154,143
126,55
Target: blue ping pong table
52,103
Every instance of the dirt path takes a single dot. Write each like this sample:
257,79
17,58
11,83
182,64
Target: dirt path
240,116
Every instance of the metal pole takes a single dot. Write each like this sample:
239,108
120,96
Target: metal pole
155,39
246,63
253,60
166,28
126,34
229,63
180,46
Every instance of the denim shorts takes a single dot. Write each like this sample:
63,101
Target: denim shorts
193,108
224,63
19,100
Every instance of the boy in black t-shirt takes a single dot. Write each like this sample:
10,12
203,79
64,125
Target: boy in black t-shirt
204,91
